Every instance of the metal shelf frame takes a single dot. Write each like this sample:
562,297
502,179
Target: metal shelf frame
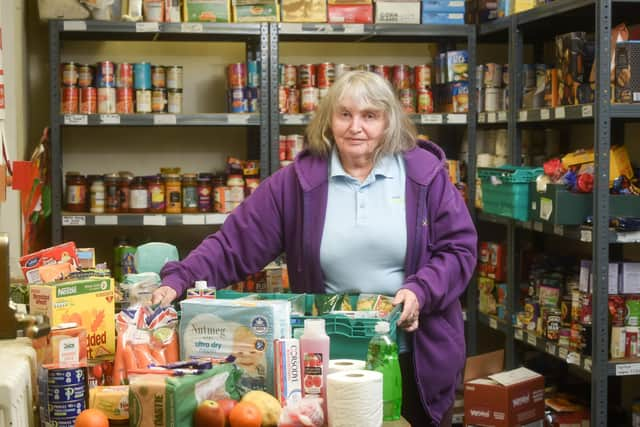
256,39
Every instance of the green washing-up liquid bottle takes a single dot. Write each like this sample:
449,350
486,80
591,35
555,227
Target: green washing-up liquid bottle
382,356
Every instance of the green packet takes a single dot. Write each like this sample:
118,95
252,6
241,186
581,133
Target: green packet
326,303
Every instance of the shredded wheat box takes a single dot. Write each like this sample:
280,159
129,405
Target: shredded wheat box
87,302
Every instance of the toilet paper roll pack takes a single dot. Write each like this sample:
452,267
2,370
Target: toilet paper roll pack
339,365
354,398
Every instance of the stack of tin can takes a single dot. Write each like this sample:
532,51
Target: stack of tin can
492,85
413,85
301,87
243,83
63,394
451,76
290,146
158,88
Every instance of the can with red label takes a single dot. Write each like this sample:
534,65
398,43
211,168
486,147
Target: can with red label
422,75
425,101
105,74
293,101
69,73
106,100
408,100
283,94
124,100
85,75
306,75
124,75
282,148
158,77
309,97
88,100
69,103
401,77
237,75
383,70
289,75
341,69
294,144
326,75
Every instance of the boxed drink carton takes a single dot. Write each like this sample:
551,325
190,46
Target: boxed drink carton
507,399
88,303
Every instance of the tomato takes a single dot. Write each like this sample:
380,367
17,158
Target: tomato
245,414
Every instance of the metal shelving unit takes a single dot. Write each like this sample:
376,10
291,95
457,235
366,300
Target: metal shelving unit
256,39
389,33
533,26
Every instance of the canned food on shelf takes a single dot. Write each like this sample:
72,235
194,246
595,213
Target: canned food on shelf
174,77
105,74
124,75
142,76
69,73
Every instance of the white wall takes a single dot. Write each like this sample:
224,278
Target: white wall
12,21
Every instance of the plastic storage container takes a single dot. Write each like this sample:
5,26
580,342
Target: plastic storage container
505,190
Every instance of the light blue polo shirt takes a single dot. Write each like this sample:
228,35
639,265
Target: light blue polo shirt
364,241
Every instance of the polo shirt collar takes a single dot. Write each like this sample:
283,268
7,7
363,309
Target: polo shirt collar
383,167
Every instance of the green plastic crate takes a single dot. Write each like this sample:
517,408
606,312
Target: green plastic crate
298,301
505,190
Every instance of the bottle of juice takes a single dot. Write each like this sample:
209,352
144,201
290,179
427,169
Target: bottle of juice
314,352
382,356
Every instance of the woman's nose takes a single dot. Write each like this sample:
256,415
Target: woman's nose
356,125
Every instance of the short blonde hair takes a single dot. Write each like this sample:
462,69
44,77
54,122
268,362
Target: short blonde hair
371,91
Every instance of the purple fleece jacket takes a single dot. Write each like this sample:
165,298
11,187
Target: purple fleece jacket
287,212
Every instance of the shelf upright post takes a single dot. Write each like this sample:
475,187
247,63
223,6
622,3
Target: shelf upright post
274,106
472,117
55,131
514,135
600,245
261,53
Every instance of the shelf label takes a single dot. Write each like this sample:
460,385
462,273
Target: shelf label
550,348
545,114
164,119
76,119
354,28
493,323
502,116
75,26
193,219
160,220
558,229
147,27
573,358
623,369
563,353
191,27
482,118
518,334
291,28
238,119
109,119
293,119
532,339
560,113
431,119
538,226
587,364
585,236
464,315
456,118
587,111
491,117
106,220
73,220
523,115
215,219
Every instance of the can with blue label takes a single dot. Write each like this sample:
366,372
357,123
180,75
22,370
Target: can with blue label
66,376
237,101
142,75
105,74
251,95
62,394
67,409
253,74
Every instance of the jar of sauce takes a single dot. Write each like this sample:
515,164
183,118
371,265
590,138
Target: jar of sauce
156,188
97,196
173,193
124,192
138,195
189,193
76,192
204,192
112,198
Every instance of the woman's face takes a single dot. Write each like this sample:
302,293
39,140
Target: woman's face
357,130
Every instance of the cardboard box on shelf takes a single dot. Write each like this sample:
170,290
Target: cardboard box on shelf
264,12
350,13
450,6
304,11
206,11
397,12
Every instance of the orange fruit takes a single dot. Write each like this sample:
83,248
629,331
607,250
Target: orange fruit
245,414
92,418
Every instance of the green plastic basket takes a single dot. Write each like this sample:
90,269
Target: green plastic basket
505,190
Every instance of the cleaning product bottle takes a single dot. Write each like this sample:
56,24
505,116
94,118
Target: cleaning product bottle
382,356
314,351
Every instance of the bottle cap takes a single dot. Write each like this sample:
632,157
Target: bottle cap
314,327
382,327
200,285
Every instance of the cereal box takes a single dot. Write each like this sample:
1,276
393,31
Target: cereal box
243,328
457,66
88,302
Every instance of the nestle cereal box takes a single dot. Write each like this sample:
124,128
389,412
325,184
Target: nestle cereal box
244,329
87,302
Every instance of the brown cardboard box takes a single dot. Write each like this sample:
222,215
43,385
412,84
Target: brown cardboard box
350,13
508,399
304,10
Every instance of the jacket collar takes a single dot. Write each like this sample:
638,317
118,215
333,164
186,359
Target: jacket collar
422,163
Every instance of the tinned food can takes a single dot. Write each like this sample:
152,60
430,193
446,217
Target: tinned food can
293,101
340,69
283,94
384,71
106,100
492,75
69,73
158,77
69,104
174,76
309,101
159,100
143,101
124,100
306,75
174,101
408,100
425,101
237,101
422,74
142,75
554,317
86,73
105,74
401,77
124,75
289,75
88,100
237,75
253,74
326,75
251,95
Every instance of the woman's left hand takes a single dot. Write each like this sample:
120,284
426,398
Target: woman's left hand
410,311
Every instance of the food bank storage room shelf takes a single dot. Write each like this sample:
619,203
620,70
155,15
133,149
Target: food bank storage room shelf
83,220
419,119
370,32
222,119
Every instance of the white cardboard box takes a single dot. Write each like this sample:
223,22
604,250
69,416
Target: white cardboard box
630,278
397,12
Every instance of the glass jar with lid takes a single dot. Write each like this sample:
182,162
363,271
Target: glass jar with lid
97,195
155,185
204,192
124,191
112,199
138,195
76,192
173,193
189,193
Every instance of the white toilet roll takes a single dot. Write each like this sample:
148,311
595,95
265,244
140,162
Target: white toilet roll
354,398
339,365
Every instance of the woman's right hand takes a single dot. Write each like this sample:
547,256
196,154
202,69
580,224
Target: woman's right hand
164,296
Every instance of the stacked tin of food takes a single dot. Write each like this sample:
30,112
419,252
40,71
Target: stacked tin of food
290,146
301,87
492,86
413,85
243,84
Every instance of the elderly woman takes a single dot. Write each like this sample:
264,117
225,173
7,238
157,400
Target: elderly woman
364,208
